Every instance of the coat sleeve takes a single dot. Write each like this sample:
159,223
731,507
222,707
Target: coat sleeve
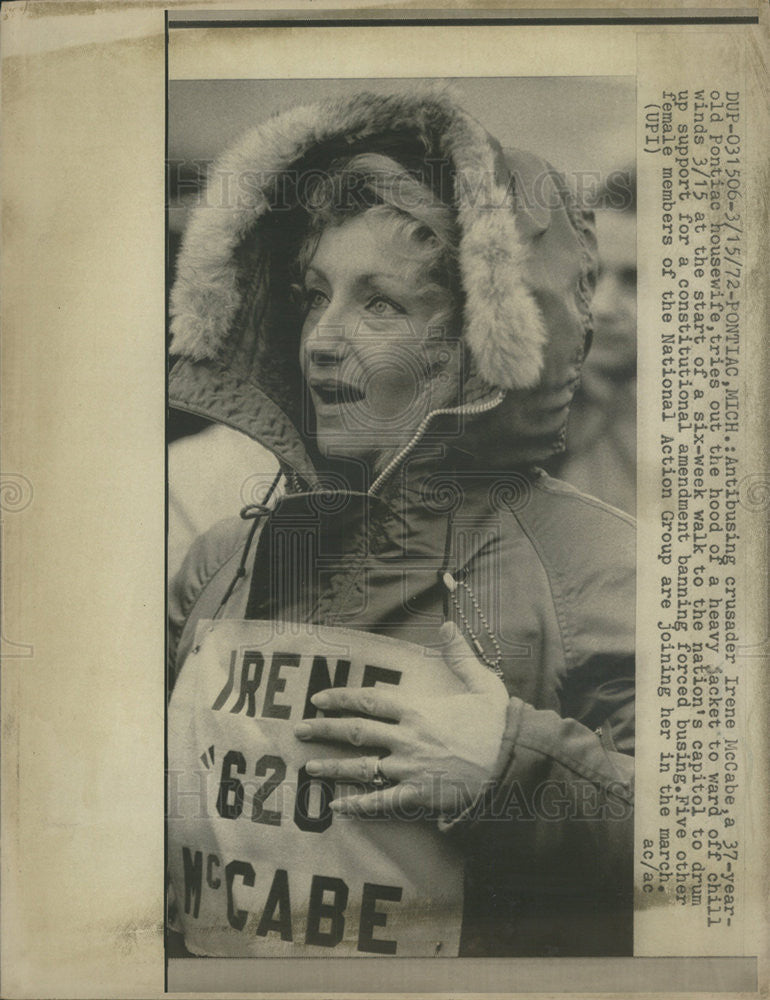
549,845
197,588
552,834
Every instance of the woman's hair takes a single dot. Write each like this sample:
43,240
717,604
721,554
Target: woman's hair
378,186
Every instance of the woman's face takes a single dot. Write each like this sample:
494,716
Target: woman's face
374,364
613,350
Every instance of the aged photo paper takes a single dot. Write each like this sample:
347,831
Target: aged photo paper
120,868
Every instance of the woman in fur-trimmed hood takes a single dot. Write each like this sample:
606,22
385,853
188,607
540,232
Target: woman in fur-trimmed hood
399,309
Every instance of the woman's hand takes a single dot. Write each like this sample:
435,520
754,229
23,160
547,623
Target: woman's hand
440,753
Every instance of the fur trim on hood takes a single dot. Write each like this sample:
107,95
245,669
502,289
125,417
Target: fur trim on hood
526,261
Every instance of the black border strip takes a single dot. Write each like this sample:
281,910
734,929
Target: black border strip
462,22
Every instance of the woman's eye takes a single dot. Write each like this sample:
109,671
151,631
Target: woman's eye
315,299
381,306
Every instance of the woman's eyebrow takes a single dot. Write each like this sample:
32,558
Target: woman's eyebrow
370,278
373,276
315,270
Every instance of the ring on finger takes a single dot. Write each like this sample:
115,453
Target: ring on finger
378,778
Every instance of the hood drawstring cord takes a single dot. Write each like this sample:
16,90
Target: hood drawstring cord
255,512
464,409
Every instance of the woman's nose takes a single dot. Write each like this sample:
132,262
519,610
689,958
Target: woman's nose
328,341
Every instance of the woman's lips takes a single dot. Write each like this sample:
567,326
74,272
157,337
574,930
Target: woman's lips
337,393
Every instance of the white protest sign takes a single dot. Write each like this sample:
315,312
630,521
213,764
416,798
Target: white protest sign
259,863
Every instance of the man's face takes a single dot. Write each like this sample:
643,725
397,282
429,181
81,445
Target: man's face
367,350
614,304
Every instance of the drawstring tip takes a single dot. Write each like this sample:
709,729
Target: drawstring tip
449,582
253,510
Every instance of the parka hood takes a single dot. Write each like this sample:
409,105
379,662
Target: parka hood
526,261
